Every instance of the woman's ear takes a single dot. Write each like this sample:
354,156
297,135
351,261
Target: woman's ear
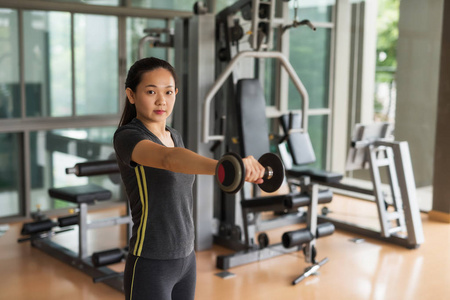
176,91
130,95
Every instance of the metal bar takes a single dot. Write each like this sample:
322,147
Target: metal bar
225,262
224,75
47,123
109,222
69,257
26,188
311,222
408,191
395,189
376,180
122,58
369,232
331,75
137,12
72,61
319,111
23,112
82,231
310,271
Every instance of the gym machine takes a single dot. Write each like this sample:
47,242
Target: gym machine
372,148
40,232
253,140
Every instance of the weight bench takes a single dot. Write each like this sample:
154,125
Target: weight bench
254,140
94,265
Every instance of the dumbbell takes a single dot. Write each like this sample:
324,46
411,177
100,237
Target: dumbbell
230,172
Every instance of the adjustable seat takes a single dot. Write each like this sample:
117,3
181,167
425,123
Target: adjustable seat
302,153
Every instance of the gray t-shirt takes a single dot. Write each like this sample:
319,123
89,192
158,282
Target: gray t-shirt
160,200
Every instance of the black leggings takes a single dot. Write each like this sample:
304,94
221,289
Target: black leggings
160,279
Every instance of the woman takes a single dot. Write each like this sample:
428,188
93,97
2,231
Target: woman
158,174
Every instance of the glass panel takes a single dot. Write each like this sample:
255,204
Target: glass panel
96,64
318,128
386,63
165,4
48,71
135,32
54,151
10,105
9,174
269,82
269,76
313,10
310,57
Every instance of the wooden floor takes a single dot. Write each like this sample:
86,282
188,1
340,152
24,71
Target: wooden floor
368,270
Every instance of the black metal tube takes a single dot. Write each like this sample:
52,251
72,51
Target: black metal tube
107,257
91,168
68,220
38,226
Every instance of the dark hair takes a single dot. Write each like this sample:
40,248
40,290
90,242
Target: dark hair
134,77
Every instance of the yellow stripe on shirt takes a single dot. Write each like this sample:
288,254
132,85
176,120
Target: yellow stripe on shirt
144,227
141,196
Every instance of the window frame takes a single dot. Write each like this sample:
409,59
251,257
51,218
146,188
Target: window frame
24,125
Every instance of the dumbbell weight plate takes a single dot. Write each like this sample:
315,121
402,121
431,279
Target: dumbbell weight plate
274,162
230,173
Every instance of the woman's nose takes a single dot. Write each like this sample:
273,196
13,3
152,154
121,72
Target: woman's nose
160,101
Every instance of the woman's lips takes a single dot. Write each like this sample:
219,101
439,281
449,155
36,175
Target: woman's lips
159,112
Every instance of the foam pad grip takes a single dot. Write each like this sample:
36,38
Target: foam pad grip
297,237
304,199
96,168
107,257
301,236
36,227
324,229
68,220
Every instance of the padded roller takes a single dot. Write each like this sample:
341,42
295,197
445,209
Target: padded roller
107,257
324,229
94,168
297,237
301,236
304,199
36,227
68,220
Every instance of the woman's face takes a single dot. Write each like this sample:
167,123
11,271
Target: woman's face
155,95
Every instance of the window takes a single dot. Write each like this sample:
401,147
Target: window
48,72
310,55
10,104
96,64
10,176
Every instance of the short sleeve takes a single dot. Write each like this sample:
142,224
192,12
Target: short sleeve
125,139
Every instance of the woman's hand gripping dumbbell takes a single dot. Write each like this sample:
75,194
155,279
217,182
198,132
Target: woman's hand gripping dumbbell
231,172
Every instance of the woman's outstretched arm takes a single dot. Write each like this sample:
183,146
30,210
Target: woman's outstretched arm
182,160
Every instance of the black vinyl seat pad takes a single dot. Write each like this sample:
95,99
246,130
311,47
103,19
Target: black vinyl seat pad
81,193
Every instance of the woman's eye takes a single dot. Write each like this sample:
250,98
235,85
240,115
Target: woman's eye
169,92
150,92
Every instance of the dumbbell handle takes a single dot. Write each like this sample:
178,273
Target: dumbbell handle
268,172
